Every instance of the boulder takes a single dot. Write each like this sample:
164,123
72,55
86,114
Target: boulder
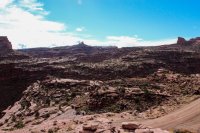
90,126
130,125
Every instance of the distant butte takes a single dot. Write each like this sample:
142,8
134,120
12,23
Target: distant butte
181,41
5,44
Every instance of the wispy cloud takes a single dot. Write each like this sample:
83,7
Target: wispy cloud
5,3
121,41
31,5
129,41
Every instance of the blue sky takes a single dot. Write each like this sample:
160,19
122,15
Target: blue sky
100,22
149,19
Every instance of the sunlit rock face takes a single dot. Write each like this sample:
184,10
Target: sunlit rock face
5,44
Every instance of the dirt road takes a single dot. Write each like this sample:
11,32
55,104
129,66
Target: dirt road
187,117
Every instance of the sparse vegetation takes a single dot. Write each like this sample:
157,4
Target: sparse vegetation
37,114
50,131
19,124
13,118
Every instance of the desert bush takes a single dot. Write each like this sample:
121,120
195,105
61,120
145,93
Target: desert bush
19,124
37,114
13,118
50,131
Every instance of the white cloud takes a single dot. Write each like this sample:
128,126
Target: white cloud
157,42
32,29
121,41
25,23
4,3
129,41
80,29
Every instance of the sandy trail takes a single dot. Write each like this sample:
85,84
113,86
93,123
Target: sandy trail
187,117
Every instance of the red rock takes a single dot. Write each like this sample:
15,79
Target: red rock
143,131
90,126
130,125
194,40
5,44
181,41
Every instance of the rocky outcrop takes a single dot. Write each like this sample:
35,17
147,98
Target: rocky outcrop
139,128
190,45
5,44
126,127
181,41
7,53
195,42
130,125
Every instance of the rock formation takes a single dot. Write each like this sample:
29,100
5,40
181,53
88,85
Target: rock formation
181,41
195,40
5,44
105,126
